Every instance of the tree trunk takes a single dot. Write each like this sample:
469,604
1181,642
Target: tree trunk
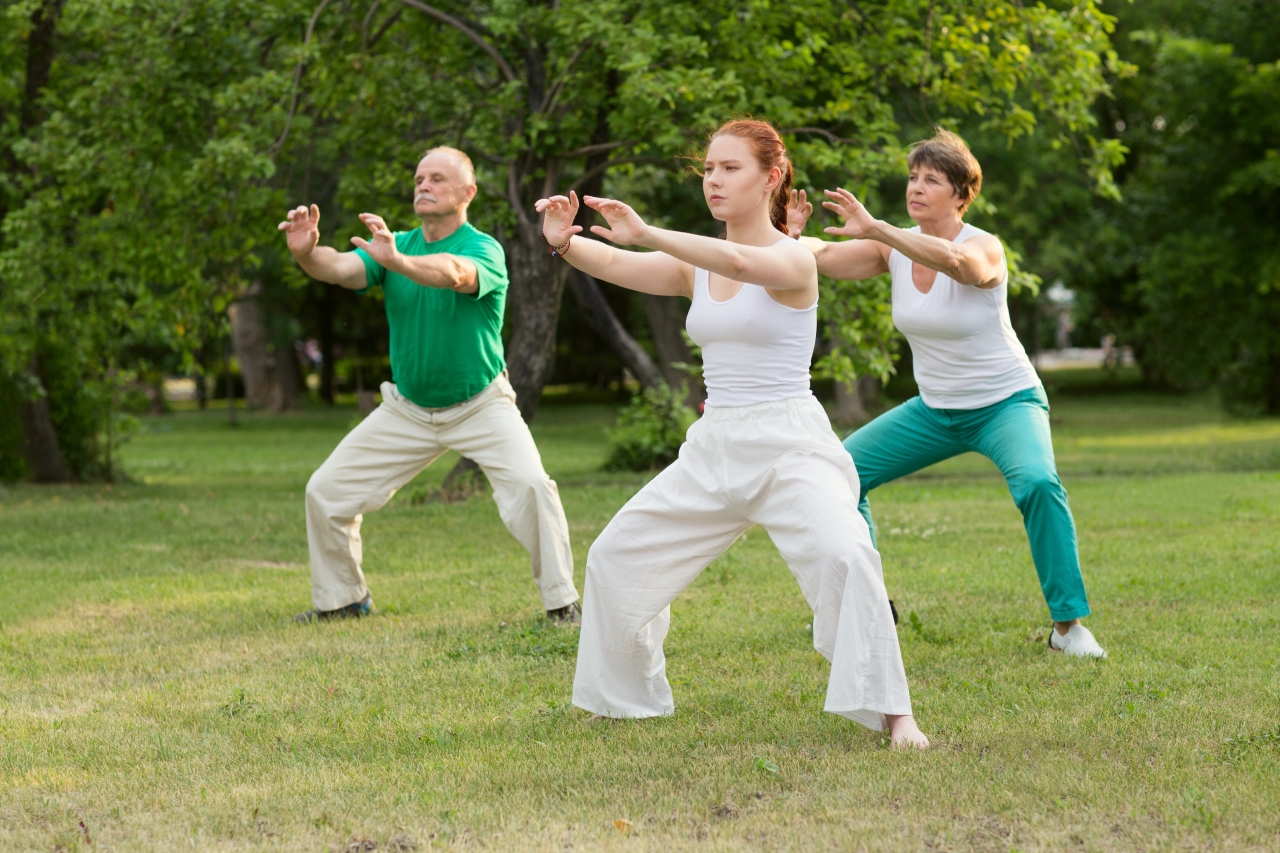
270,372
533,302
41,449
666,315
1273,386
231,385
286,375
850,410
201,376
249,340
854,403
327,376
606,324
45,461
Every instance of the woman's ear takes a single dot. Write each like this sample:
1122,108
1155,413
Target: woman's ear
775,178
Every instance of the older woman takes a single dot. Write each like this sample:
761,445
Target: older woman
978,390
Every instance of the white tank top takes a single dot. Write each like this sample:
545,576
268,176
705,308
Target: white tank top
963,347
754,349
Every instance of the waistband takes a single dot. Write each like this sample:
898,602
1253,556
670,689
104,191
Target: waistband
756,411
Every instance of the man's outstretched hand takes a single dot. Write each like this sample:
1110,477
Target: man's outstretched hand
302,230
382,248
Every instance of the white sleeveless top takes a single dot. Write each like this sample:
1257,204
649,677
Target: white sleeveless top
754,349
963,347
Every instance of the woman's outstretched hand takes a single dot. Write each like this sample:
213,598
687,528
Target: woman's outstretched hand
626,228
799,209
559,213
857,221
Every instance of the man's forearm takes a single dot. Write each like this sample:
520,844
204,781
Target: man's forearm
329,265
447,272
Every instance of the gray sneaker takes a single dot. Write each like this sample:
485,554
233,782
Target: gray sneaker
569,616
363,607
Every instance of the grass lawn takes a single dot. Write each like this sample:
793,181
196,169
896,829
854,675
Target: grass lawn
155,694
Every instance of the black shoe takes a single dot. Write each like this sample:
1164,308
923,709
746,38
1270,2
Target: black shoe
570,615
363,607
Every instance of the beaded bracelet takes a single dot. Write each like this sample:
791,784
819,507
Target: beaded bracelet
557,251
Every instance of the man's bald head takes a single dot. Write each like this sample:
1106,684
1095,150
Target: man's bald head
444,183
467,170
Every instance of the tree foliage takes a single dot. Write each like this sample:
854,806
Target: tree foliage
175,132
1186,266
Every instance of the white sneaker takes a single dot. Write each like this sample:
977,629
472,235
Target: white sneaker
1077,641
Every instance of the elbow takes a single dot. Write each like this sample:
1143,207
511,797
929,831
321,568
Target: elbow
464,279
955,268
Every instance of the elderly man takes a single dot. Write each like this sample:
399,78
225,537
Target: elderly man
445,286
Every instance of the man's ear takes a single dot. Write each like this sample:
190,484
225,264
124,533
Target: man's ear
471,193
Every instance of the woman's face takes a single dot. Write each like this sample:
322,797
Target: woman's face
930,196
733,182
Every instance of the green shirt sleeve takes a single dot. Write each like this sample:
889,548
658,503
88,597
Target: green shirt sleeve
375,274
491,264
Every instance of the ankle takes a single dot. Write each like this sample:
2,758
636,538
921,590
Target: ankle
1064,627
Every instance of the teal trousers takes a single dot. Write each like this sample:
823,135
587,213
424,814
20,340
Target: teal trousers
1014,434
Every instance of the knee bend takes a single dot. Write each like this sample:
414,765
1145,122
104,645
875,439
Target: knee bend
315,486
1041,486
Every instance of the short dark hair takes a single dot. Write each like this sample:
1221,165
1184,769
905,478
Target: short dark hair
947,153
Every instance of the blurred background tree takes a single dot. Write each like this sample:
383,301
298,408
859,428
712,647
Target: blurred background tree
148,148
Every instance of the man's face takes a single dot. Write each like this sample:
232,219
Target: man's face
440,186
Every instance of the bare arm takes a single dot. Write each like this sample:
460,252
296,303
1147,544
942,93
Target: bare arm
445,271
302,230
780,268
647,272
978,261
851,260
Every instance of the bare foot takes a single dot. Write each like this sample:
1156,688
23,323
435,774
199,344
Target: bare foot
904,733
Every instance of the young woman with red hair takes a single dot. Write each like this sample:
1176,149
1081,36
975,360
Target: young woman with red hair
764,452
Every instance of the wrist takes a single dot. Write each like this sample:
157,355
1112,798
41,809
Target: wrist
648,238
878,230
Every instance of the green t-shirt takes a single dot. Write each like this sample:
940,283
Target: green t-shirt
446,347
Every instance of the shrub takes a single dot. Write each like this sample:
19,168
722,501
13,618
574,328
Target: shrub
650,430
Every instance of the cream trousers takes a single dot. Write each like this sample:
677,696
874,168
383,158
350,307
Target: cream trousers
399,439
775,464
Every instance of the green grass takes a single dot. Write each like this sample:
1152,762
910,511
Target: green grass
155,695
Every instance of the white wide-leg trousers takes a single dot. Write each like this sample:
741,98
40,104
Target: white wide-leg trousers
396,441
775,464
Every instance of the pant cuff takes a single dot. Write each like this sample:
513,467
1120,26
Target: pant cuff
1068,615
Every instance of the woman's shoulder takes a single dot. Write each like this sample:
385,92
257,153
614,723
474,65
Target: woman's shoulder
970,232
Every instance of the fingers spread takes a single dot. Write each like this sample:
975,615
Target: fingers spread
360,242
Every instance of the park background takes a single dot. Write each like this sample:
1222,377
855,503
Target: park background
169,379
